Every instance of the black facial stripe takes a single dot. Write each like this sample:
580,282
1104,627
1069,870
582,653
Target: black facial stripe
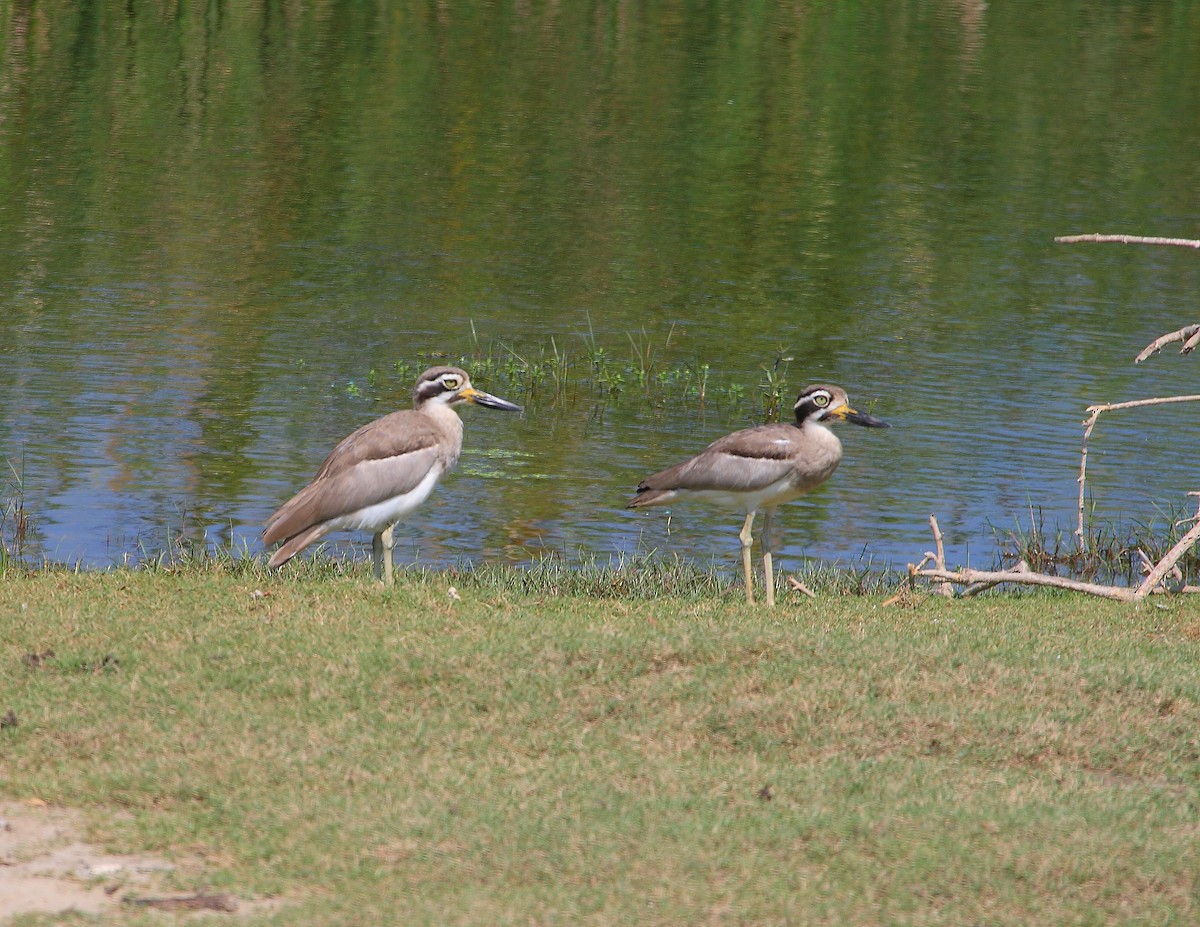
807,406
430,388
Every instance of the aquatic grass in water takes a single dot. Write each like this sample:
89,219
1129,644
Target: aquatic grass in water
15,523
549,374
1109,554
774,388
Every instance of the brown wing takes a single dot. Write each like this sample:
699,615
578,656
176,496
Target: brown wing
741,462
393,435
383,459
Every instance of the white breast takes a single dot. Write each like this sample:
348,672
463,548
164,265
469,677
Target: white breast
378,516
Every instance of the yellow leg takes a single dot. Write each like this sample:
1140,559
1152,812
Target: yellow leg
768,566
381,554
747,571
388,542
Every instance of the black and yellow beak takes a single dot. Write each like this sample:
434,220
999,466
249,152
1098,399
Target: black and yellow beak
847,414
487,400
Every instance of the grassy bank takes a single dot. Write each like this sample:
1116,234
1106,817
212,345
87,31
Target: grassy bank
514,756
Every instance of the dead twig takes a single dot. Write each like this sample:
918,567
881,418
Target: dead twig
905,598
940,559
800,587
1190,336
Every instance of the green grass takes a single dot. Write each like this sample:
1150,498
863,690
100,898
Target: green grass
522,756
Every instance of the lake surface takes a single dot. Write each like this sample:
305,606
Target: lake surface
232,233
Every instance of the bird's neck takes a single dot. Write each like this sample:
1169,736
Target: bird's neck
820,432
448,421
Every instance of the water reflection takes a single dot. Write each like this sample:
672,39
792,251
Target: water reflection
221,232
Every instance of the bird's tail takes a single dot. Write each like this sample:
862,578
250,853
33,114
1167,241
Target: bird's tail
295,544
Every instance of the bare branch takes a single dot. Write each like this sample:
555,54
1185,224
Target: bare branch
1166,563
1129,240
1134,403
967,577
1189,335
1089,424
976,588
940,558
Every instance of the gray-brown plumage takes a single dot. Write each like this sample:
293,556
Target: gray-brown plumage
382,472
758,469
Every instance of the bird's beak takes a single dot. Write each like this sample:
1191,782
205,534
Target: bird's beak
487,400
847,414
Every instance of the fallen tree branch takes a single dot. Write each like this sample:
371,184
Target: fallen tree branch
1196,517
991,578
967,577
976,581
976,588
1190,336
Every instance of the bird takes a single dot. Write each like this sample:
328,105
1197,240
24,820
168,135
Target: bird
382,472
757,469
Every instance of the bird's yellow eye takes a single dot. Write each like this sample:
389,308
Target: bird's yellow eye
451,382
821,399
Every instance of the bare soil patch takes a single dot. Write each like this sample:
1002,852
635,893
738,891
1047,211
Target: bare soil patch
46,867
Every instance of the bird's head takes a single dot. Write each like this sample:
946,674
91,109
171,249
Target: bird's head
822,402
451,386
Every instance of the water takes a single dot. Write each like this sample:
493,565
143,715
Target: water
215,224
